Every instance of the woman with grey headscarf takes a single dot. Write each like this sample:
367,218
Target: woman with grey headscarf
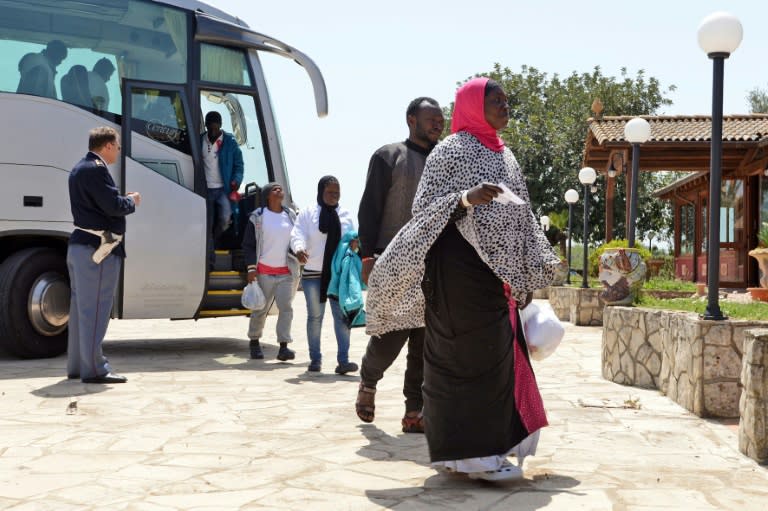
266,249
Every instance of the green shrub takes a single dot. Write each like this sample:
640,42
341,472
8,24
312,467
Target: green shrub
667,270
594,256
762,235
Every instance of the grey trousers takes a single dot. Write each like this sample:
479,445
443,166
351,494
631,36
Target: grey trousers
93,290
281,289
382,351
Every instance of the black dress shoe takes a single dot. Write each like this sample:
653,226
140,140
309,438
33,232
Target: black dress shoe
106,378
73,376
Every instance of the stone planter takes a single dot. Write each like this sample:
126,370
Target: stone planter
695,362
759,294
561,273
621,272
582,307
654,266
753,405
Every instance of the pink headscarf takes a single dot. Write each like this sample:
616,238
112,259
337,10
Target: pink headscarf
469,114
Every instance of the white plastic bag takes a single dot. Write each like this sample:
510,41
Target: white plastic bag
253,297
543,331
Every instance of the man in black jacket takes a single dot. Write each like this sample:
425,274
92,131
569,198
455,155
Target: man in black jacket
393,177
94,255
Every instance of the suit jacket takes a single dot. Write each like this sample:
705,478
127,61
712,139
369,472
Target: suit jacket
96,202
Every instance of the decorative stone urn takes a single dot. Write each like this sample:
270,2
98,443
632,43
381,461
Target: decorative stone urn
622,271
561,273
760,293
761,254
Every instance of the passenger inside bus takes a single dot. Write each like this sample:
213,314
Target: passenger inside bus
88,88
38,70
74,86
97,83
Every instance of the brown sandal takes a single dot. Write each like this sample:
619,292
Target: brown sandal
413,424
364,406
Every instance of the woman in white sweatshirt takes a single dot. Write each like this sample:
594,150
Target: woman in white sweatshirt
315,236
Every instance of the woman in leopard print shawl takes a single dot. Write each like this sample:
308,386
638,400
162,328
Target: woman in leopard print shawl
472,257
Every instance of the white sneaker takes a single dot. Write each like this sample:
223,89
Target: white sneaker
506,472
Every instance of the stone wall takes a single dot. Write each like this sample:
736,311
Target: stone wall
560,300
753,406
582,307
632,353
696,363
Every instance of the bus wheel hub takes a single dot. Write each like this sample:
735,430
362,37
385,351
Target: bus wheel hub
48,305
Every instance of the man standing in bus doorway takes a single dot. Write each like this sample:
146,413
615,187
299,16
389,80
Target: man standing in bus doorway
94,255
223,165
38,70
393,176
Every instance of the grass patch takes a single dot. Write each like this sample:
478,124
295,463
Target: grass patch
749,311
660,284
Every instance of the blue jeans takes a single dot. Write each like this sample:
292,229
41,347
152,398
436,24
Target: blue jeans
219,212
315,313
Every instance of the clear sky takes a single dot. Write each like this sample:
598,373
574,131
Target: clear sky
377,56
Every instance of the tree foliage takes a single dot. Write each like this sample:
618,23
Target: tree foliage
547,132
758,101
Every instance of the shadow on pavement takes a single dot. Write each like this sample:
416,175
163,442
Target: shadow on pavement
69,388
158,355
454,491
321,377
384,447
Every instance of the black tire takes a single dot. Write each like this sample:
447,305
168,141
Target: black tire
23,276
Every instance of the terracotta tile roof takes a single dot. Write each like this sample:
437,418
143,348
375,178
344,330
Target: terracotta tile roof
683,128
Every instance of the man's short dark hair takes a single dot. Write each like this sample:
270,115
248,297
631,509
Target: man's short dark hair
101,136
57,50
416,105
104,65
212,116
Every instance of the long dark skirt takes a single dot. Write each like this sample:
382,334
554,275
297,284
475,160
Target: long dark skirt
469,379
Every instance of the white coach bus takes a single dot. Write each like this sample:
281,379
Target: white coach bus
161,66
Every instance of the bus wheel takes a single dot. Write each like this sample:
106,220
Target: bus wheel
34,303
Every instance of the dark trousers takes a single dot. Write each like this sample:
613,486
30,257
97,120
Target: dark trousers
382,351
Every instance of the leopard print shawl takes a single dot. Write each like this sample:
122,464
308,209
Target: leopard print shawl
506,236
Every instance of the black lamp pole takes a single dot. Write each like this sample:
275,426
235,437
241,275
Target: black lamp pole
713,311
633,198
570,229
584,272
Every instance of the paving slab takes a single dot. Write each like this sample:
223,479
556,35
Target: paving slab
199,426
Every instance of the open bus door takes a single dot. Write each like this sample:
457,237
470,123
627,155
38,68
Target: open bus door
164,273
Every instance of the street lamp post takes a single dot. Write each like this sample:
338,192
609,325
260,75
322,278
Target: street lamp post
571,197
650,235
719,35
587,177
637,131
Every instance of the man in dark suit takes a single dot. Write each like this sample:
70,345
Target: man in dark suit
94,255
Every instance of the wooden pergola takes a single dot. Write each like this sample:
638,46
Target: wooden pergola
680,143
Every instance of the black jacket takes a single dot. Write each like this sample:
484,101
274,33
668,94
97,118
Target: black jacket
96,202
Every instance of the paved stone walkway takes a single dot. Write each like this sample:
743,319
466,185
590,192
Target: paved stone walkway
200,427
